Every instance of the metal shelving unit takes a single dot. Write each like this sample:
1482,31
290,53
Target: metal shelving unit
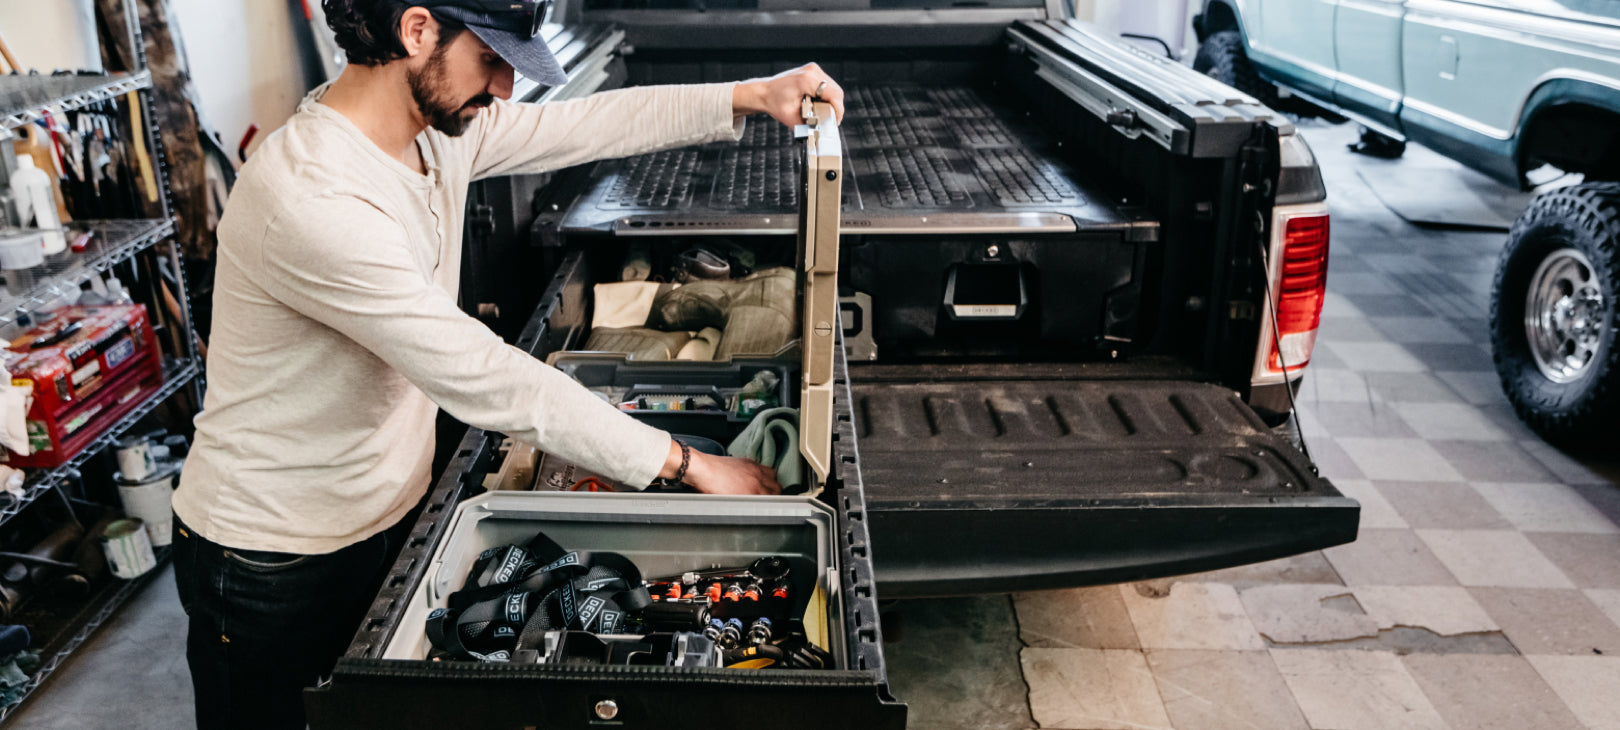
113,242
27,98
43,481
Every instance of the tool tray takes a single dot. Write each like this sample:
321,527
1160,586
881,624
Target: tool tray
664,535
629,380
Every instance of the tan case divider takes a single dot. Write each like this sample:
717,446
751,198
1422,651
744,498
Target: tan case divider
819,211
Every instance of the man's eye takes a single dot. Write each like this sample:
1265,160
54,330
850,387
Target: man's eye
491,59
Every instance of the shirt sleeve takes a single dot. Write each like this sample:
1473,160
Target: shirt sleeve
347,265
533,138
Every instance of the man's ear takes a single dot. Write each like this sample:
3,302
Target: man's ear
418,31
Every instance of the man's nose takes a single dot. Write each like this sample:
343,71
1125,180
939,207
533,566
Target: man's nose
500,85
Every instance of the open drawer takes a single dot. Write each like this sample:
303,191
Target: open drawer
664,535
385,680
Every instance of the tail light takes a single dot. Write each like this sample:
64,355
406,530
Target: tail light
1299,286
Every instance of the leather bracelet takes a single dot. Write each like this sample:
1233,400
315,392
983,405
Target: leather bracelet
686,461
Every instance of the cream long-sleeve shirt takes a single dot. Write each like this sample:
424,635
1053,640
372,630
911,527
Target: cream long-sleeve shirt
337,336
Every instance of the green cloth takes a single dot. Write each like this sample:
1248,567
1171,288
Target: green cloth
772,439
14,673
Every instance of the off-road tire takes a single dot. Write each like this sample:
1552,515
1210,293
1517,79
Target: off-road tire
1221,57
1586,412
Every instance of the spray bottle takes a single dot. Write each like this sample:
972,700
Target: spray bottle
31,191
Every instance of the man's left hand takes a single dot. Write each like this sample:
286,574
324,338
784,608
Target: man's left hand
781,96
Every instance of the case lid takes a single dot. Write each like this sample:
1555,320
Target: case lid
819,220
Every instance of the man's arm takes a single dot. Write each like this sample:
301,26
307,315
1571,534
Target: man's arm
531,138
347,265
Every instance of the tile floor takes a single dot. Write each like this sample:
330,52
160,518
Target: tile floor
1483,592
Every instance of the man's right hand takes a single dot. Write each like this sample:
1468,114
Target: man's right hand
730,475
722,474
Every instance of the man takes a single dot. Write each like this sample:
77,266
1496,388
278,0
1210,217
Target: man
337,335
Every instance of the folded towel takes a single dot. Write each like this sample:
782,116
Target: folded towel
14,673
772,439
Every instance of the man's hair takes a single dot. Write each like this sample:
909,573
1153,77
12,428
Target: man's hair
368,30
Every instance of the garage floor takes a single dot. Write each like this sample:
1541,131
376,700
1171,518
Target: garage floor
1483,592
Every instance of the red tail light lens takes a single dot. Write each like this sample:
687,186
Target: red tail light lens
1300,289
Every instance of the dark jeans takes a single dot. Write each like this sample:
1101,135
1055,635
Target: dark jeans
266,625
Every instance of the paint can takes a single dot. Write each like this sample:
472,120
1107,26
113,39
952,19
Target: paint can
150,499
129,552
135,458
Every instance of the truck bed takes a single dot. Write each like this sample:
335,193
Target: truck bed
916,151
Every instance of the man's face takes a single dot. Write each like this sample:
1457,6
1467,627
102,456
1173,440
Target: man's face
458,80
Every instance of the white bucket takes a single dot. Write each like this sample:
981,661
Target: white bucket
21,250
149,500
129,552
135,462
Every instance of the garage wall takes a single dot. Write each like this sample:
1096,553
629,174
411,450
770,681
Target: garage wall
51,35
243,54
245,61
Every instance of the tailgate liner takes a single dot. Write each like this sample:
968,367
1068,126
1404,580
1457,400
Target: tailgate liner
1065,440
981,485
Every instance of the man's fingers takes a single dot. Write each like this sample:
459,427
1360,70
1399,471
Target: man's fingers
769,483
835,95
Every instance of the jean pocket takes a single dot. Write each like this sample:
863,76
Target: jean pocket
264,561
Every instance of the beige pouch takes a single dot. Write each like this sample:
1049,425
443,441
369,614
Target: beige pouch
624,304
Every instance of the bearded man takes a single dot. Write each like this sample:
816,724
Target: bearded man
337,335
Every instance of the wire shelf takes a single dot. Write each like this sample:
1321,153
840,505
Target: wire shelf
24,99
40,482
114,242
97,611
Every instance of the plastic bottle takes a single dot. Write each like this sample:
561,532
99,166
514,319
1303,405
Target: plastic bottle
31,189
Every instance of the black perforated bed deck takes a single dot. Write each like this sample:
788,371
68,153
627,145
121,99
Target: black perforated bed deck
909,151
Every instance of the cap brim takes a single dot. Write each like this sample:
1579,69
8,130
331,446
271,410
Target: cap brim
530,56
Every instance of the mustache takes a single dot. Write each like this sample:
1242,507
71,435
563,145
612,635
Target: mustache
481,100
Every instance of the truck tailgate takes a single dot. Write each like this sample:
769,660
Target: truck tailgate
987,485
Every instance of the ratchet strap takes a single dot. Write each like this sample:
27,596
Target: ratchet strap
516,593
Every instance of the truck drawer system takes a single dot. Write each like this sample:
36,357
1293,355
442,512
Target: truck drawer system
1039,268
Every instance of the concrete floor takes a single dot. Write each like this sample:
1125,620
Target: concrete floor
1483,592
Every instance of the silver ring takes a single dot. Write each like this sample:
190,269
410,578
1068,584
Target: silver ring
819,87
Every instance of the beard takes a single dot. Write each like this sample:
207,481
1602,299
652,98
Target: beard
442,113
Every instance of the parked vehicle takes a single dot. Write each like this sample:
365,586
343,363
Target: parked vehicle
1077,282
1521,91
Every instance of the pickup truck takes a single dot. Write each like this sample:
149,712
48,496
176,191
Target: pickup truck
1075,286
1524,92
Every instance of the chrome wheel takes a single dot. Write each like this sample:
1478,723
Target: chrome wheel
1564,314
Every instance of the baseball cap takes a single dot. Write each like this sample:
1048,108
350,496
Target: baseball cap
511,28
